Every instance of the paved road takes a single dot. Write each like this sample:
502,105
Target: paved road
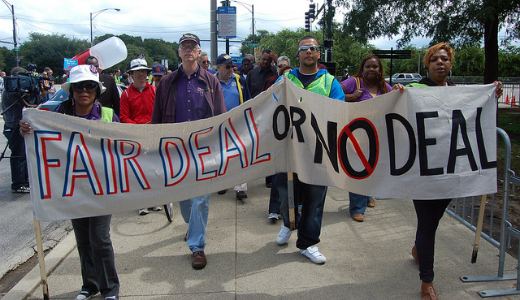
16,227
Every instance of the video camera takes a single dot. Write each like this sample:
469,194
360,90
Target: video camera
26,85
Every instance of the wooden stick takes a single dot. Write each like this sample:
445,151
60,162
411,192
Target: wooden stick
290,200
478,231
41,258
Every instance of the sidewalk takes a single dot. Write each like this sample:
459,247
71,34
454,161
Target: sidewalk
369,260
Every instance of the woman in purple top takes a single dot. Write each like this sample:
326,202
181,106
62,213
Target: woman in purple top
96,254
366,84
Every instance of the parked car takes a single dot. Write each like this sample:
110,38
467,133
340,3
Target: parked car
62,95
406,78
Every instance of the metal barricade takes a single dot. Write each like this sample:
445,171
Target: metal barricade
506,232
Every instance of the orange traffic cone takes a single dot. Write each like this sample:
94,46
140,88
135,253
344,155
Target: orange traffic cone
507,99
513,101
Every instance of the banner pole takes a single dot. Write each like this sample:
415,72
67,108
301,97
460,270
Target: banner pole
478,231
41,258
290,200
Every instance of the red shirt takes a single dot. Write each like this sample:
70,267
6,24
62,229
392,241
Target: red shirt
137,107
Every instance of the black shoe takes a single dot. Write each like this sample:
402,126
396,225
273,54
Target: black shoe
222,192
268,185
241,195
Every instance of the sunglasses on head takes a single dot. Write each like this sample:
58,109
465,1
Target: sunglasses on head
305,48
84,85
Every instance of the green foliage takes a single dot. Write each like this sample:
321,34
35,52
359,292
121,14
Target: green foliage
49,50
509,62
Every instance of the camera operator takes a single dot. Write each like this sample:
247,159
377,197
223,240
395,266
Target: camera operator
20,91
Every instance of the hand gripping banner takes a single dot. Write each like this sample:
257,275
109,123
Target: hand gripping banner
425,143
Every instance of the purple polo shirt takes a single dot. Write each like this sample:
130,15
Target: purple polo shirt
349,87
190,104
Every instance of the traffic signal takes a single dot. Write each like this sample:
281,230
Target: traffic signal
307,21
312,10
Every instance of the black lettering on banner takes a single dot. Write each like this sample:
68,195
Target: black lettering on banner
484,163
458,120
277,134
391,143
330,146
373,141
297,123
424,142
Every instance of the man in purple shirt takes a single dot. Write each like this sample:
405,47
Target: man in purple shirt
188,94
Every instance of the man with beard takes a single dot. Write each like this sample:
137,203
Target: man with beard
311,197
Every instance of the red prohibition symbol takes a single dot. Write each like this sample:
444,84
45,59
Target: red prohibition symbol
346,134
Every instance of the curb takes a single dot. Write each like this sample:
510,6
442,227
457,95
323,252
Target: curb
31,281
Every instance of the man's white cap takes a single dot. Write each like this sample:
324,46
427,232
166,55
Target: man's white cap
83,73
139,64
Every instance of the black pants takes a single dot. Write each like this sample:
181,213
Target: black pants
429,213
96,255
19,175
274,198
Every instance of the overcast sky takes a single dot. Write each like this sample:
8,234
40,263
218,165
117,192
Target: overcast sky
154,19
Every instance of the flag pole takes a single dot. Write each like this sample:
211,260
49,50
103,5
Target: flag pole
41,258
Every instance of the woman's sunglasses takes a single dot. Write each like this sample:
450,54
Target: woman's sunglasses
84,85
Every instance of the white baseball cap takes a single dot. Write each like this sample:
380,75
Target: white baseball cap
83,73
139,64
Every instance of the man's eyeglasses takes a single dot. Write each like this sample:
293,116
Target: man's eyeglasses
205,62
188,47
305,48
84,85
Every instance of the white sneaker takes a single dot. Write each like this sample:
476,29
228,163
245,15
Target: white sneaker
144,211
314,255
283,236
155,208
273,216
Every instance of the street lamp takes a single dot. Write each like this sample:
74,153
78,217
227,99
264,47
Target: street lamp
252,11
93,15
15,44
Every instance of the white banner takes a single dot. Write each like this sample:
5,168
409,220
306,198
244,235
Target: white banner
426,143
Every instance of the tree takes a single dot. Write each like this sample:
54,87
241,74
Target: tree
252,42
458,21
49,50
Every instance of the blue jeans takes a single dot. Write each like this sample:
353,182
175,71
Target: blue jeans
194,211
358,203
312,200
19,175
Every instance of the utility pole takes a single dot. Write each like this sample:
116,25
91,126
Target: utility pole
214,43
14,37
253,19
226,3
15,43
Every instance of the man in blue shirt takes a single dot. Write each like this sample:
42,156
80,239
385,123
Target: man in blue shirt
310,197
235,93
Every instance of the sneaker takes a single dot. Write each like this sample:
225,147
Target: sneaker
144,211
155,208
85,295
314,255
273,217
24,189
222,192
111,298
371,202
283,236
